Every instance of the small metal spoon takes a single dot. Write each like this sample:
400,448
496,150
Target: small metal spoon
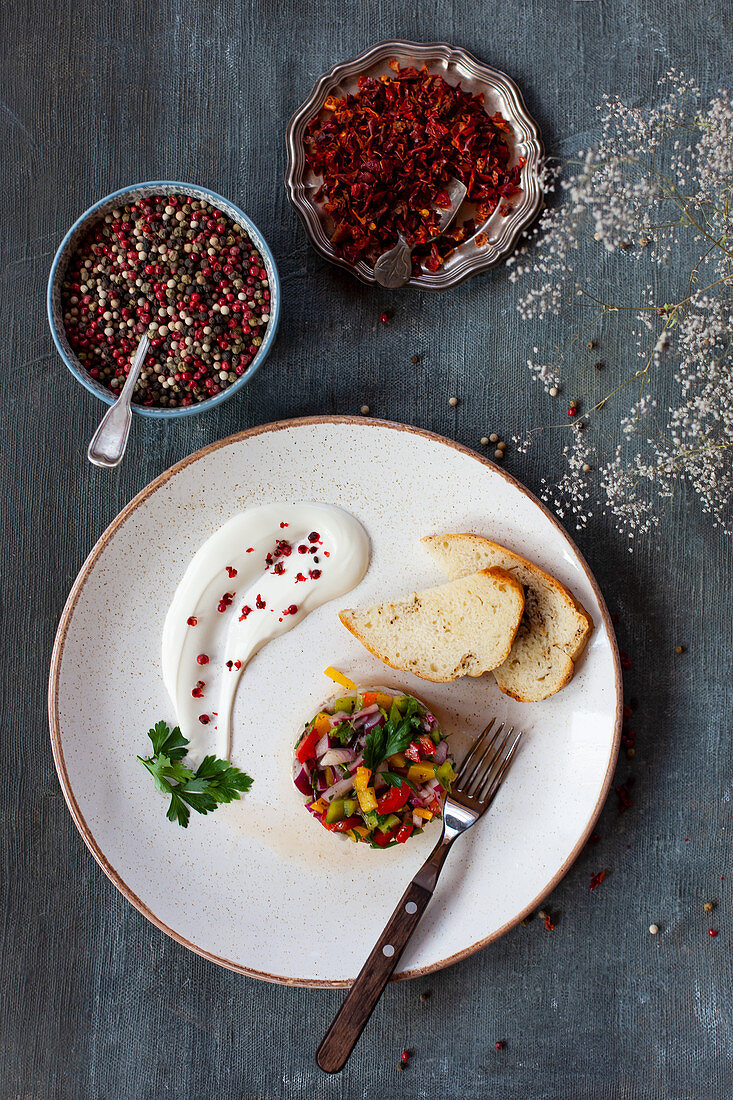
108,443
394,268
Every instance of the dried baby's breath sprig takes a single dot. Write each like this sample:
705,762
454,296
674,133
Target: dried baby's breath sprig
656,190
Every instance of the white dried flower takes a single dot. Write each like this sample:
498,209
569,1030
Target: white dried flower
658,185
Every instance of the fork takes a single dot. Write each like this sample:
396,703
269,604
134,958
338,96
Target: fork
477,782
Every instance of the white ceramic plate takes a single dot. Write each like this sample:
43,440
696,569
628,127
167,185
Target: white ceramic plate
259,886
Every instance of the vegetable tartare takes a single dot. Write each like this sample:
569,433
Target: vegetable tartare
373,766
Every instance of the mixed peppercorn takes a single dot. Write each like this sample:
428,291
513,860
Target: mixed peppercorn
185,273
387,154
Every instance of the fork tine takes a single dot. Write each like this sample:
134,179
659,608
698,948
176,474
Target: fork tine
486,764
475,747
498,778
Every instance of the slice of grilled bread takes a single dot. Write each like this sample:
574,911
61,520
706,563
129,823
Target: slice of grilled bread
555,626
462,628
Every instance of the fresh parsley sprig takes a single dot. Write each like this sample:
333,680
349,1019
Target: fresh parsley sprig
213,782
394,736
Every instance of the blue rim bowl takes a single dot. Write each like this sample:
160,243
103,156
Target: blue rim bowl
131,194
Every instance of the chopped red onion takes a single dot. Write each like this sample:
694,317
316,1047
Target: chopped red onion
361,715
373,720
302,781
441,752
336,756
323,745
338,789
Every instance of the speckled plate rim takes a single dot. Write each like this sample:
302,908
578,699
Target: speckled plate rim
135,191
517,223
63,628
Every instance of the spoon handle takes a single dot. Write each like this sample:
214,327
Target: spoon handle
108,443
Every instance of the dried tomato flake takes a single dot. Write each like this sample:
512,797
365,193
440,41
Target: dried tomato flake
387,154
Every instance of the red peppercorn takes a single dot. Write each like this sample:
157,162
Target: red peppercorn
499,1044
204,719
405,1057
384,317
712,931
572,411
191,620
202,659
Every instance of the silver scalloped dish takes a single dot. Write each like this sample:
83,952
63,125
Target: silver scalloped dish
456,66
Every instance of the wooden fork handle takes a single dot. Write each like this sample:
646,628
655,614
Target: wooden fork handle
360,1001
351,1018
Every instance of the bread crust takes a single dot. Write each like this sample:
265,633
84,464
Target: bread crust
493,571
572,651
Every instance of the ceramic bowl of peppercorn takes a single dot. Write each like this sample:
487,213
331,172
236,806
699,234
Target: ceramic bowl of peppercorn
180,263
374,150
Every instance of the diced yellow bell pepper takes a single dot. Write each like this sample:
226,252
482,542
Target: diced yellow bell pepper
425,814
322,723
397,760
420,773
384,700
361,779
319,806
360,830
334,674
367,799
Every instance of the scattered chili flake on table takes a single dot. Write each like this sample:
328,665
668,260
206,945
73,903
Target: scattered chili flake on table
597,879
500,1044
387,154
625,801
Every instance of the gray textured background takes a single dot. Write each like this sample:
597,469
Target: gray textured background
96,1003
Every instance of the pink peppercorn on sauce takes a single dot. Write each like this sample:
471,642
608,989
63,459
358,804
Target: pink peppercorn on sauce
373,766
256,577
185,273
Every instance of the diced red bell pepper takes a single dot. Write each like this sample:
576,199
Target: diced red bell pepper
435,806
342,826
307,747
370,698
383,839
393,800
404,831
427,748
412,752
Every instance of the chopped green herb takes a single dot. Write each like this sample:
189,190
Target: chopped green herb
394,780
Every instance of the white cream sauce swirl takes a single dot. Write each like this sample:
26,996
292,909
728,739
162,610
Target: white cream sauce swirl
239,568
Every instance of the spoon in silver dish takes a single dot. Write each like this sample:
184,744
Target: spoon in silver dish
394,268
108,443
